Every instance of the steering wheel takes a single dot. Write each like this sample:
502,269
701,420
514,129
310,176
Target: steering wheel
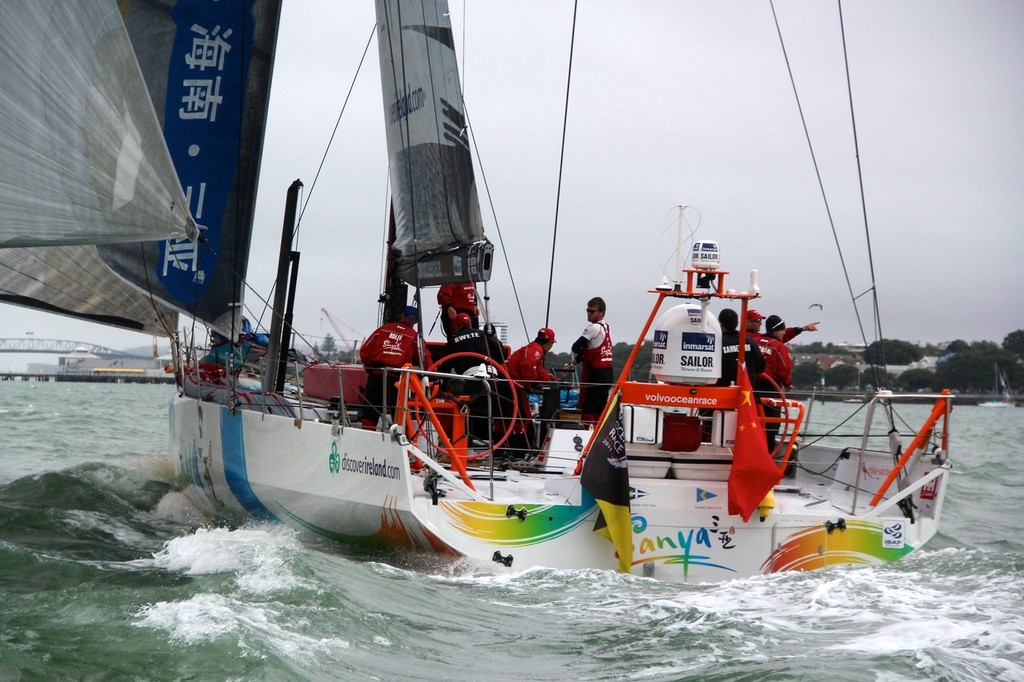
504,374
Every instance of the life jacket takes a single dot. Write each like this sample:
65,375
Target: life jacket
601,355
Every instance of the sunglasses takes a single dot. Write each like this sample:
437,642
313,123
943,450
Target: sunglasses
591,310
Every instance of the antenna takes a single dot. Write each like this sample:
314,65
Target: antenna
679,249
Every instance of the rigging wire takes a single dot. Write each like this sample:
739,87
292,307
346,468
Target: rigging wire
337,123
308,195
864,210
835,236
483,180
497,227
561,166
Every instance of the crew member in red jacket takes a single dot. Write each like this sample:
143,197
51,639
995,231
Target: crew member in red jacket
526,365
455,299
526,368
778,368
594,351
391,345
754,319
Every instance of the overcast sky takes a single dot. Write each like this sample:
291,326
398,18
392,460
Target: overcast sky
674,102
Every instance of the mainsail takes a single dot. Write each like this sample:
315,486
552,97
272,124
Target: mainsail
438,230
46,48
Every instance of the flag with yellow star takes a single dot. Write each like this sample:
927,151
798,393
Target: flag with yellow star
754,472
606,477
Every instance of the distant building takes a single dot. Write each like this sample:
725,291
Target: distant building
501,331
824,360
80,362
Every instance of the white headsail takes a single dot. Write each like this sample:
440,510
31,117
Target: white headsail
82,156
107,112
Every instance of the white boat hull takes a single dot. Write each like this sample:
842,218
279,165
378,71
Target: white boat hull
357,487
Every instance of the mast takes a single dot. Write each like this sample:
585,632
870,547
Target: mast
280,323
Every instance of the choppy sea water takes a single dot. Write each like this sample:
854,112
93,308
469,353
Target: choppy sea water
106,573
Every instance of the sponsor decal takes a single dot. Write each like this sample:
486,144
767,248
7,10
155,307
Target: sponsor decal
370,467
334,461
636,493
685,400
705,495
698,341
893,534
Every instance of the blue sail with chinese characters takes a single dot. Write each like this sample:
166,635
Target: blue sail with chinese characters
208,66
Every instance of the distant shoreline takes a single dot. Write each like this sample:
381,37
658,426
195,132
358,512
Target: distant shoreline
49,377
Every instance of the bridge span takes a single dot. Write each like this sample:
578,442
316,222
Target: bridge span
62,347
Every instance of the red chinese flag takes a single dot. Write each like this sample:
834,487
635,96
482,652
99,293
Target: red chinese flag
754,472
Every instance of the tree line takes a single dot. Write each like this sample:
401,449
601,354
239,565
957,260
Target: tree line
967,367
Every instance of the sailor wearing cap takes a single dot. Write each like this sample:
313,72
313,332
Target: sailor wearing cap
392,345
526,365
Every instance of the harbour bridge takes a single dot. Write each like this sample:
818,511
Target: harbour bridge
61,347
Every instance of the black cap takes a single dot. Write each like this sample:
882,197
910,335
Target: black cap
774,323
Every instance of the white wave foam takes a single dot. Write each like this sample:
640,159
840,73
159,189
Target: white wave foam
177,508
209,617
87,520
260,558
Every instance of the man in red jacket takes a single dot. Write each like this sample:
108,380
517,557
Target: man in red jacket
526,369
455,299
778,368
526,365
754,319
392,345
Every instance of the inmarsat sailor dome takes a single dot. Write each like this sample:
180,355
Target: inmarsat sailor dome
687,343
705,255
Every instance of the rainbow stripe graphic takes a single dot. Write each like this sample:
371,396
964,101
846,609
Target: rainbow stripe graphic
491,522
816,547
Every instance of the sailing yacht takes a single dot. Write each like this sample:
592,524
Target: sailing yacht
675,481
1003,397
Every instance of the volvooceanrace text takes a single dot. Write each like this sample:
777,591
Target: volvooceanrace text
679,400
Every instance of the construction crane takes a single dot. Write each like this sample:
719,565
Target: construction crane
350,346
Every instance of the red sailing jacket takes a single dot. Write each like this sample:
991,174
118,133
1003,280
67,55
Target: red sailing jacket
778,362
462,297
390,345
526,365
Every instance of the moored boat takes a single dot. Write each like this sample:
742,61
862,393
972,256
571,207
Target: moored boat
1003,397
